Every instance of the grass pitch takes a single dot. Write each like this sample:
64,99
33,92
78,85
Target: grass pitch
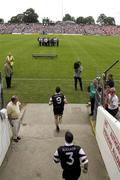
34,80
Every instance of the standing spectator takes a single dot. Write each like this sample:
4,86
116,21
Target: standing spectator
8,73
10,58
78,74
110,81
13,111
92,92
71,157
105,96
112,102
58,100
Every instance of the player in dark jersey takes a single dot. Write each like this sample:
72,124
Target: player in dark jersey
72,158
58,100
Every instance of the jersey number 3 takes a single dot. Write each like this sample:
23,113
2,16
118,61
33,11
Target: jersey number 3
70,158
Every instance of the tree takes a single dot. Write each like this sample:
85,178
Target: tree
101,19
89,20
110,21
13,20
104,20
1,21
67,17
17,19
80,20
30,16
20,18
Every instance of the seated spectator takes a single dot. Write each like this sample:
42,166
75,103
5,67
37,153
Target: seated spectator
112,102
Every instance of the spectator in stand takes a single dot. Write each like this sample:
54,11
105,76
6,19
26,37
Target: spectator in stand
8,73
71,157
95,29
113,102
78,74
110,81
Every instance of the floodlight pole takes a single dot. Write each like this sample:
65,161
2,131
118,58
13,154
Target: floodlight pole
62,17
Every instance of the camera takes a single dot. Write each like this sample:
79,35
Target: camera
77,65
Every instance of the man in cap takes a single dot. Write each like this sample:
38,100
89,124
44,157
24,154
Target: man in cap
13,111
71,157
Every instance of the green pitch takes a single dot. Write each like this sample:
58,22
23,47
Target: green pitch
34,80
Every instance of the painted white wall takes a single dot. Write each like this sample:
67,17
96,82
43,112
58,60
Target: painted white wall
108,138
5,134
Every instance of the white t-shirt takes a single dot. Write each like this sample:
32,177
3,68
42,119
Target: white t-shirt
13,109
113,102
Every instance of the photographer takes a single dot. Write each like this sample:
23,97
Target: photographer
78,74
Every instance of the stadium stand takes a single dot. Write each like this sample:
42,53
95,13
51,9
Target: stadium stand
59,28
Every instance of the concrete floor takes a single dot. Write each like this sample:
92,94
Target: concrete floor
32,157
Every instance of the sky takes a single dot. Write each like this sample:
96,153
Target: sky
56,9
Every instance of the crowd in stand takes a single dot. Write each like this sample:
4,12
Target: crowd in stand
59,28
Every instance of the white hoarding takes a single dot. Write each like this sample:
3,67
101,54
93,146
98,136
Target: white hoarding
108,138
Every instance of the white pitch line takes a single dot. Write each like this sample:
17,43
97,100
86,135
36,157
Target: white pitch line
50,79
39,79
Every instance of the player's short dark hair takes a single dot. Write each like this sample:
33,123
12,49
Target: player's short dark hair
57,89
68,137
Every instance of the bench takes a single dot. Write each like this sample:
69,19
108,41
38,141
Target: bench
44,55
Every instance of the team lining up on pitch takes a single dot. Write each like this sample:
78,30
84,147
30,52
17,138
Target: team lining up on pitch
44,41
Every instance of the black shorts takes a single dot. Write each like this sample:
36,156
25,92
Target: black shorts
58,111
70,175
113,112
